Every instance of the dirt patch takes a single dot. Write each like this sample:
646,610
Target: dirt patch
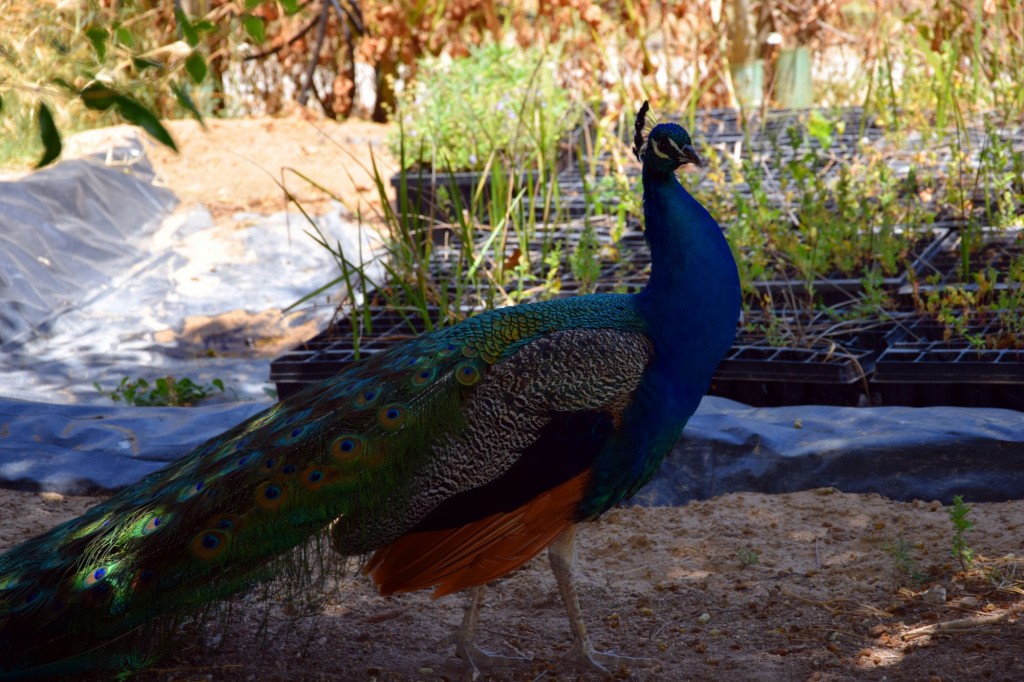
802,586
232,165
238,333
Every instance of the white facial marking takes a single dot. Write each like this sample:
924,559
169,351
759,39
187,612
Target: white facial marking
674,145
654,146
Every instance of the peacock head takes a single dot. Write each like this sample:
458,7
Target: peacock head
667,146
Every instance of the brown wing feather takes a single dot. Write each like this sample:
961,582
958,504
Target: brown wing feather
454,559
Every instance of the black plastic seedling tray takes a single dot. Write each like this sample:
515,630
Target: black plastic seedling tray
928,352
839,290
764,376
424,191
821,364
939,362
333,349
995,251
926,368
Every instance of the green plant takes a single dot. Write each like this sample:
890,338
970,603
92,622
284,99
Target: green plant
506,258
496,103
74,65
933,45
583,260
902,554
614,194
748,557
771,326
71,65
797,224
987,310
959,548
999,173
822,128
754,221
164,392
553,261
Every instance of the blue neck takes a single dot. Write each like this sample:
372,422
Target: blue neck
692,300
689,307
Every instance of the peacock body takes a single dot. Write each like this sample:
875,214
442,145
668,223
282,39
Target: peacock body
454,458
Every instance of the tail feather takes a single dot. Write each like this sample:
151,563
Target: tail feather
106,589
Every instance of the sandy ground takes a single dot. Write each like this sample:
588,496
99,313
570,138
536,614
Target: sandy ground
236,165
803,586
817,585
240,164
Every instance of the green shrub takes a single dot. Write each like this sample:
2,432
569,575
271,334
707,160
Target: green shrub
501,101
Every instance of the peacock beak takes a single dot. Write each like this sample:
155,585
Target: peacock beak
689,155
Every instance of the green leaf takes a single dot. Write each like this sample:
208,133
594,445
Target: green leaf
133,112
196,67
290,6
124,36
67,86
254,27
204,25
98,96
141,64
252,4
185,100
820,128
50,136
98,37
187,29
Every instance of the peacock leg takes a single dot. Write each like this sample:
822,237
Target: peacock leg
562,553
473,656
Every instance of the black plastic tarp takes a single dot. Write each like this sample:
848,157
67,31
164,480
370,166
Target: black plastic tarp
901,453
91,294
77,449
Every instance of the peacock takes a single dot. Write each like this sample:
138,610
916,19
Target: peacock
450,460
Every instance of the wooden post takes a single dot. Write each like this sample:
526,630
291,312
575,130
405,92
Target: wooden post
745,65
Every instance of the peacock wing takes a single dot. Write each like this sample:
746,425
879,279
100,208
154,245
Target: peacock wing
503,489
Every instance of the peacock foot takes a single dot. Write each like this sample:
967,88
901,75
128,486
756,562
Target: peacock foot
585,658
475,657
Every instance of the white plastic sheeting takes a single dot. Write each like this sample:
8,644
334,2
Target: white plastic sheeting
66,230
118,270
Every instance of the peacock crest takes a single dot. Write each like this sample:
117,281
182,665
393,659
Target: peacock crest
643,123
